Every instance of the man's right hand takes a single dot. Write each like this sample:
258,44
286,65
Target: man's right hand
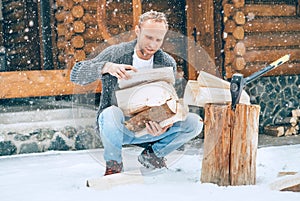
118,70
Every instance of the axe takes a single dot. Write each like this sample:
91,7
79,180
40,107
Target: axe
238,82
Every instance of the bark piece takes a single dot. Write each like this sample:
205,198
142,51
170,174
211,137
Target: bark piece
230,144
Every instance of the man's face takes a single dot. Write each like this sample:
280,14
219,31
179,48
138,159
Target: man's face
150,36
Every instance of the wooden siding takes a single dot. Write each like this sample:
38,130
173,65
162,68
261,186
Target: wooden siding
259,32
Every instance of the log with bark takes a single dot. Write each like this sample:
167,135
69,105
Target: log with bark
230,144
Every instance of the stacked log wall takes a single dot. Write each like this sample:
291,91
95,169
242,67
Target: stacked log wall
20,35
85,27
258,34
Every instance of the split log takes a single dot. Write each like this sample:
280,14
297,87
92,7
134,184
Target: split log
240,49
59,3
287,121
89,19
79,55
109,181
228,10
68,4
92,34
62,58
275,131
230,26
287,183
90,47
90,5
79,26
230,42
69,18
181,111
209,89
229,57
77,11
77,41
239,18
230,144
69,32
238,33
291,130
148,75
239,63
135,99
61,43
61,30
155,113
60,15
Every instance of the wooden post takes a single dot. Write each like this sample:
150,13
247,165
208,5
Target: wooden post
230,144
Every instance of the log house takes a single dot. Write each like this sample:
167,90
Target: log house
41,41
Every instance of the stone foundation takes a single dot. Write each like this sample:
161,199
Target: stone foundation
277,96
41,140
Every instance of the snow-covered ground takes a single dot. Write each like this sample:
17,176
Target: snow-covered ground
61,176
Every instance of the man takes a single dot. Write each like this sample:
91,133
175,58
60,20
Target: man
112,64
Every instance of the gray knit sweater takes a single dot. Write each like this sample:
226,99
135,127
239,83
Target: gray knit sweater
88,71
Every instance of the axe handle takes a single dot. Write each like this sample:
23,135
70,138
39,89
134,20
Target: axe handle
271,66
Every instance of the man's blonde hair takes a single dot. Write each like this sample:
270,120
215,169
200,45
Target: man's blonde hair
155,16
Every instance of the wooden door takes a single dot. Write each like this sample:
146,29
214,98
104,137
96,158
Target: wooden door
202,22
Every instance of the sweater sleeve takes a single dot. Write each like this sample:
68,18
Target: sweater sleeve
88,71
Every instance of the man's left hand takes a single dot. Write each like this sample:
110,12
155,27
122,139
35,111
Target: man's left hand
153,128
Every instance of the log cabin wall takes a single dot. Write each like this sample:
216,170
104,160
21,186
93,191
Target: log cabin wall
20,35
256,33
84,26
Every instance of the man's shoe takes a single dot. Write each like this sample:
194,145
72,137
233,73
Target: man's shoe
148,159
113,167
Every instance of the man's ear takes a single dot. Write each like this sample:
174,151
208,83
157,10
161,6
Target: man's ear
137,30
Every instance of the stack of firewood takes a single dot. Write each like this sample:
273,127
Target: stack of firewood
76,30
286,126
150,96
84,24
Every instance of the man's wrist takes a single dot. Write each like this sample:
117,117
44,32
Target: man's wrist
105,68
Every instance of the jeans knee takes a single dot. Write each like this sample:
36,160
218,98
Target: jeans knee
111,118
194,123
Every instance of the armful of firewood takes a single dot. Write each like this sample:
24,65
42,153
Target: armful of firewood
166,114
155,113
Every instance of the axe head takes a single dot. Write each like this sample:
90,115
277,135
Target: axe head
236,88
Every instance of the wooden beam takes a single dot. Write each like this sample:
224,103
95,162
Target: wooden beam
272,24
21,84
270,10
272,40
270,55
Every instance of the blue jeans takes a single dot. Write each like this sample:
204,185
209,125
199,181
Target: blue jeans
114,134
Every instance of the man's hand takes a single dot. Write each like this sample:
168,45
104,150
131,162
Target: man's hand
118,70
153,128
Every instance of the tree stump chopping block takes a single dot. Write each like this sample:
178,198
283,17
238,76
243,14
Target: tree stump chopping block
230,144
